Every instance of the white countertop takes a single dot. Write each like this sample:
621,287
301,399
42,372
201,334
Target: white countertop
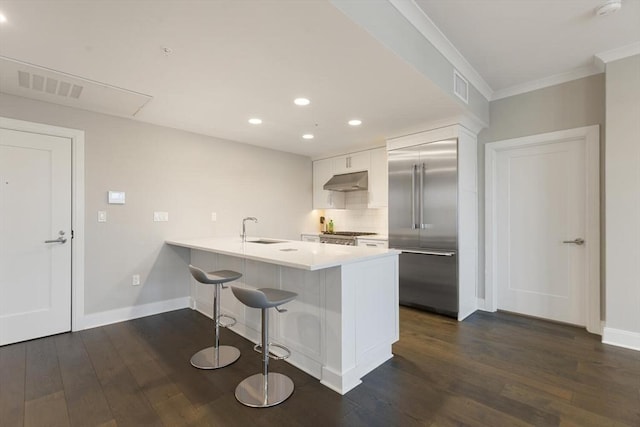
290,253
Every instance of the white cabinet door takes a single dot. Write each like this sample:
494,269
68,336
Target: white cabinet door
323,199
359,161
378,179
339,164
355,162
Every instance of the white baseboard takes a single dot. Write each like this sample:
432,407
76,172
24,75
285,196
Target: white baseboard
203,307
482,305
128,313
340,382
621,338
464,314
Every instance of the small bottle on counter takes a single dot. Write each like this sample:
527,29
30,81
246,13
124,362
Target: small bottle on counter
330,226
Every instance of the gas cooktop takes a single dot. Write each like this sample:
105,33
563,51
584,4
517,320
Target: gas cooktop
348,233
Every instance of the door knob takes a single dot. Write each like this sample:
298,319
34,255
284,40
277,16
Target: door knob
578,241
60,239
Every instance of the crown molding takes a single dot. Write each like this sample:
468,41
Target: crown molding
619,53
419,19
556,79
466,121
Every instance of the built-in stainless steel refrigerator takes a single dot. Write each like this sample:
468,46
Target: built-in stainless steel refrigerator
423,224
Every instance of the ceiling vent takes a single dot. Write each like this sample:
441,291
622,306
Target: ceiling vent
460,86
44,84
49,85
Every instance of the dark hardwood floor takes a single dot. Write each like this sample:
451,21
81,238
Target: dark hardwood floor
493,369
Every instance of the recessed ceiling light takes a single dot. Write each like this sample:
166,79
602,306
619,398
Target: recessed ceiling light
301,101
307,136
3,18
609,7
355,122
255,121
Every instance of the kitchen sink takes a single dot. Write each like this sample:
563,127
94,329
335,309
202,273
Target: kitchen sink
265,241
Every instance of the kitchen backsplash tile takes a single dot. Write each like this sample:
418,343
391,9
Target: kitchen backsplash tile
357,216
356,199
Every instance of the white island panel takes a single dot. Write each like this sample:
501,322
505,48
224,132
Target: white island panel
343,322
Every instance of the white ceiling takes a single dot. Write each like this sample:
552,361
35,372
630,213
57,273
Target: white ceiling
232,60
514,43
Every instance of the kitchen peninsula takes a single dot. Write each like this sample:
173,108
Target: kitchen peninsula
345,318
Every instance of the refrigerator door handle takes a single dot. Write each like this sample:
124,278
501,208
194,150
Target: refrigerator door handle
413,197
437,253
422,172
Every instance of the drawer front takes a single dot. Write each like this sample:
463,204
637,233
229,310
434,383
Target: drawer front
373,243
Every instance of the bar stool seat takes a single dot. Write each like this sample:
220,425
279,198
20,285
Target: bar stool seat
217,356
266,388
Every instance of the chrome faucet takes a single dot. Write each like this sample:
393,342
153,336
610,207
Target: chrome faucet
244,227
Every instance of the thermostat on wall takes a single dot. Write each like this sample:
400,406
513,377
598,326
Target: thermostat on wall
116,197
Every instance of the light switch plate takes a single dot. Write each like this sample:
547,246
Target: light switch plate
161,216
102,216
116,197
214,216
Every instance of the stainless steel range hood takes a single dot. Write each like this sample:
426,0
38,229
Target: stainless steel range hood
348,182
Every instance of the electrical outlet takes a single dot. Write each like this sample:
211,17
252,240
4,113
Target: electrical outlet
161,216
214,216
135,280
102,216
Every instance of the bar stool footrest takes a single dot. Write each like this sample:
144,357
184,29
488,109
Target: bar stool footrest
258,349
226,325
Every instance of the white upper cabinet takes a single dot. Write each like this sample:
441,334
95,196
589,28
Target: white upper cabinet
378,179
355,162
373,161
324,199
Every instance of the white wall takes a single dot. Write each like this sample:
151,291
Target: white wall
623,203
185,174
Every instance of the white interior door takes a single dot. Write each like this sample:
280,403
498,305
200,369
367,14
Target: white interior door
540,211
35,206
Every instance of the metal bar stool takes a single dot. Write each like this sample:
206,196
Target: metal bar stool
217,356
266,388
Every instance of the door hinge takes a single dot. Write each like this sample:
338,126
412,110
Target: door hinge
72,234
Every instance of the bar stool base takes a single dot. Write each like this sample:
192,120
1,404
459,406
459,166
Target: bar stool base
212,358
251,391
